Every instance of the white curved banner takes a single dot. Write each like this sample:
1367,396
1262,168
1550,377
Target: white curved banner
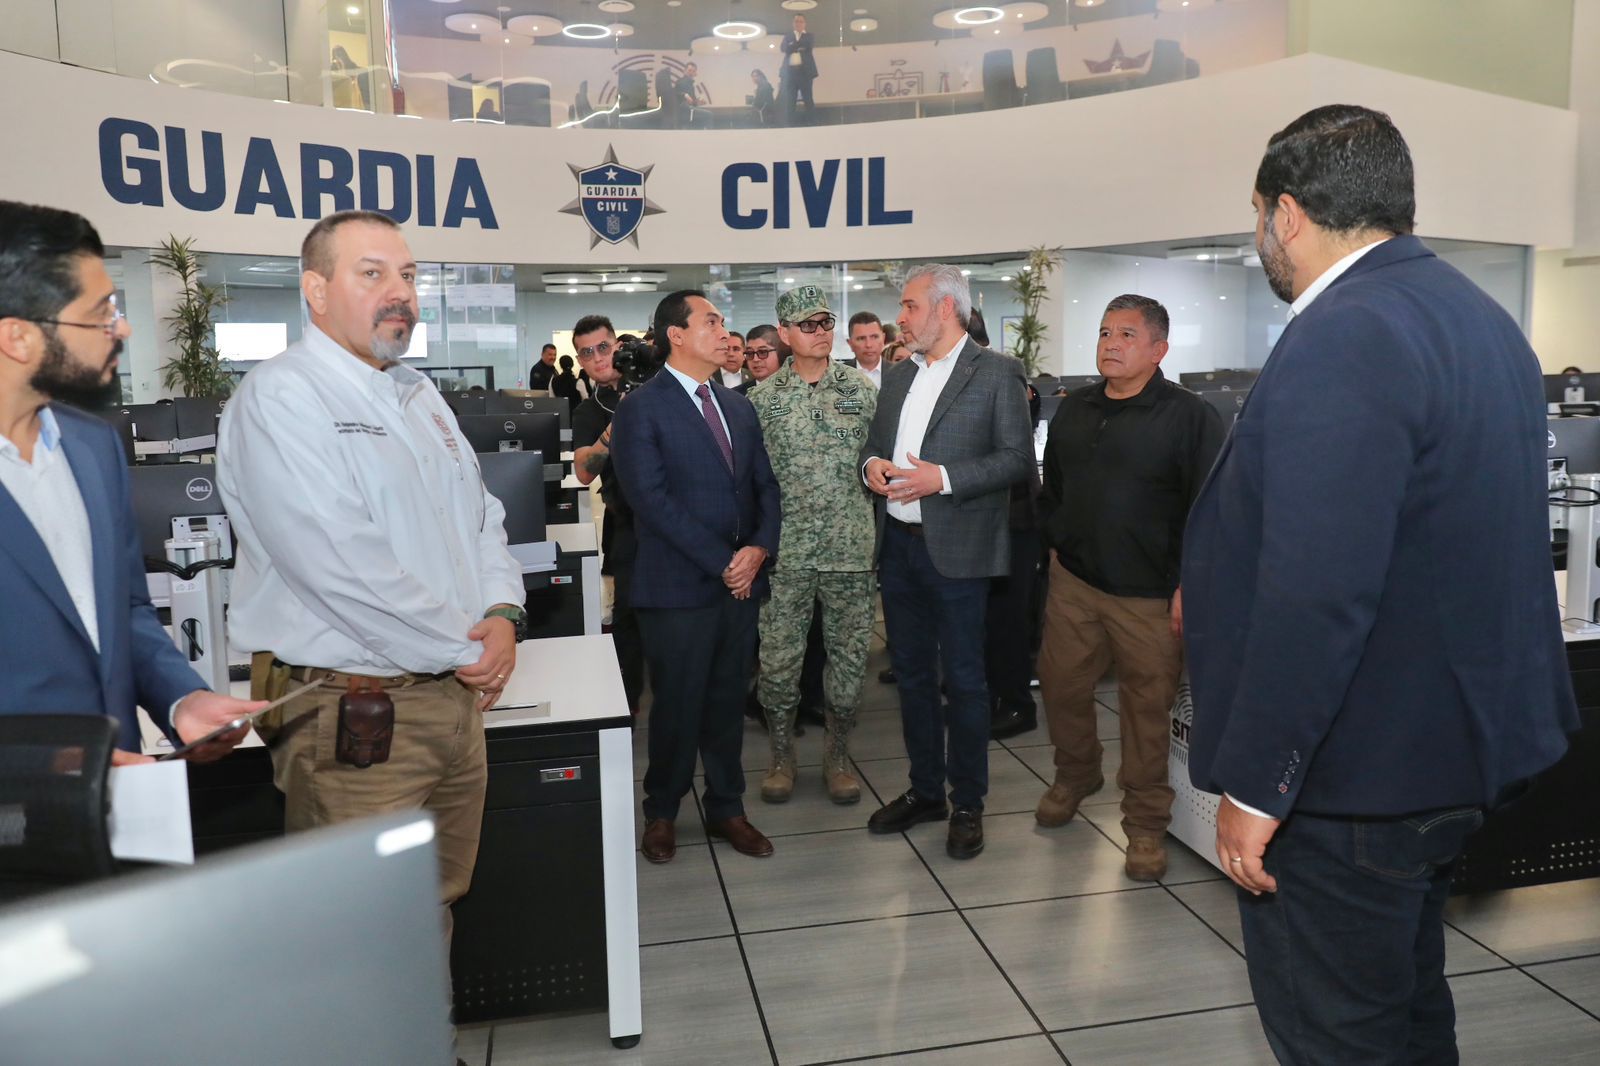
1163,163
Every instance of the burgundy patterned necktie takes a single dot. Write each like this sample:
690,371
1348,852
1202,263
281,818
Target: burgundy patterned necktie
714,420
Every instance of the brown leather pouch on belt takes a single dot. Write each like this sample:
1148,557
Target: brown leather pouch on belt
366,724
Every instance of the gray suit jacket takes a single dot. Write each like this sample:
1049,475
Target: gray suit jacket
980,434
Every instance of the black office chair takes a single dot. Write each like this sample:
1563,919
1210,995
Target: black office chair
1000,80
1166,64
667,98
581,107
526,103
1044,78
53,801
633,97
458,96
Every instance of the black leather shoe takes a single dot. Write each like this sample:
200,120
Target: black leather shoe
905,811
887,676
1012,721
966,833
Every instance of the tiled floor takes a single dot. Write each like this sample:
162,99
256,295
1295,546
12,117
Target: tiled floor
848,947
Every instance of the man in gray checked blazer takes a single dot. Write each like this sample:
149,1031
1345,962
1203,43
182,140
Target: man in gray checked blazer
950,436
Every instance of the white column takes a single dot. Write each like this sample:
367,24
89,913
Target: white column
149,295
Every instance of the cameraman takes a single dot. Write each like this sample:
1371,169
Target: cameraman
596,343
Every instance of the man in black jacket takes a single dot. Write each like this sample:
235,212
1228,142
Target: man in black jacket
799,71
1124,462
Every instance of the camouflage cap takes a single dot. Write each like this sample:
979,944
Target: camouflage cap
801,303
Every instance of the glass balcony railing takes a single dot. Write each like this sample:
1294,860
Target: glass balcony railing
654,64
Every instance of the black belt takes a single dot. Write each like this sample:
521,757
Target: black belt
913,528
314,673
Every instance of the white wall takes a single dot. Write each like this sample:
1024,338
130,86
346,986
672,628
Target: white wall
229,46
29,27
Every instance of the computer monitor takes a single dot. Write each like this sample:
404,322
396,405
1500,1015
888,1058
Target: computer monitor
510,433
466,403
1228,401
1571,388
345,964
520,402
516,479
123,424
178,491
198,416
152,422
1199,380
1073,382
1048,406
1577,440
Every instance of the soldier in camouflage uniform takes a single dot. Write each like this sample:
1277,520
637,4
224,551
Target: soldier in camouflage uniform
814,416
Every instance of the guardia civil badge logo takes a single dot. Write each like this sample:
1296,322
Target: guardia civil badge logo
611,200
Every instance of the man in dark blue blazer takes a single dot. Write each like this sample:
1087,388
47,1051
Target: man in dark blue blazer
78,634
1374,644
690,455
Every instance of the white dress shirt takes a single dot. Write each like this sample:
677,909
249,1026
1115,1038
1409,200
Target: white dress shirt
1328,277
914,417
1303,301
48,495
691,386
731,379
875,375
367,541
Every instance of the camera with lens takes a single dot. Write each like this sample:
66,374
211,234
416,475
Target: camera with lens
636,361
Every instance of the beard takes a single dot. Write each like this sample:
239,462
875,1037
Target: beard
66,380
1276,265
387,346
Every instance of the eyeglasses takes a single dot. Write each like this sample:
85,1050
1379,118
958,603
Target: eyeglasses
760,353
603,348
811,325
109,328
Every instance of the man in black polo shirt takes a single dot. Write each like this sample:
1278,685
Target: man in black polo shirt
595,341
1124,462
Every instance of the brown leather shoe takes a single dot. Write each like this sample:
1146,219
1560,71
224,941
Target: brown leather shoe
1146,859
745,838
660,842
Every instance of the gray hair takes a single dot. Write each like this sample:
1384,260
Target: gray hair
945,280
1155,316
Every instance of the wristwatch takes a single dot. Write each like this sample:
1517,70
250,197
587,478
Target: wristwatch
515,615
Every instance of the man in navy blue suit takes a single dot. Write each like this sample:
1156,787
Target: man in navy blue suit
1374,644
690,455
78,634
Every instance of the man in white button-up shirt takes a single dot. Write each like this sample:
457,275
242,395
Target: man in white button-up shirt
78,634
368,548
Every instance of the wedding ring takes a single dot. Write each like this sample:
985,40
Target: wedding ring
1236,859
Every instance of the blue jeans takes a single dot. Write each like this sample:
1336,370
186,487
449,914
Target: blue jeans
935,623
1346,959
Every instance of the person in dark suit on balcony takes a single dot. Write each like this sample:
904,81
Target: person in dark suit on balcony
690,455
1374,646
798,73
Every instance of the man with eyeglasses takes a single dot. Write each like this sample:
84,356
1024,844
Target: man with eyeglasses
814,417
371,557
761,357
595,340
78,634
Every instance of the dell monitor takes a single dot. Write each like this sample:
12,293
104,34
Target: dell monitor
198,416
516,401
513,433
1228,402
516,479
1577,440
186,492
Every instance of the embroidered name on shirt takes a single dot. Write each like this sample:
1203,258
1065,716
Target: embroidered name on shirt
361,427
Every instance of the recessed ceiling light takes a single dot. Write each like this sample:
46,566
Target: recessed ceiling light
858,287
863,25
534,25
586,31
738,30
966,273
616,7
1222,297
788,281
799,5
849,277
1005,277
353,10
636,278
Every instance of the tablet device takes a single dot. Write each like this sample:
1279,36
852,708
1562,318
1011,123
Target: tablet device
237,723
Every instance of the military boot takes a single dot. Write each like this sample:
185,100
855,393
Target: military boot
778,785
842,784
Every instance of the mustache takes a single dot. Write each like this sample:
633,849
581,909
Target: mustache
398,310
116,353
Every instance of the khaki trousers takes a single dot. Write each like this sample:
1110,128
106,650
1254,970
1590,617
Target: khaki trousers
437,763
1086,631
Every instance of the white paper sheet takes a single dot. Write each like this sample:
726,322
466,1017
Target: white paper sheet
149,817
